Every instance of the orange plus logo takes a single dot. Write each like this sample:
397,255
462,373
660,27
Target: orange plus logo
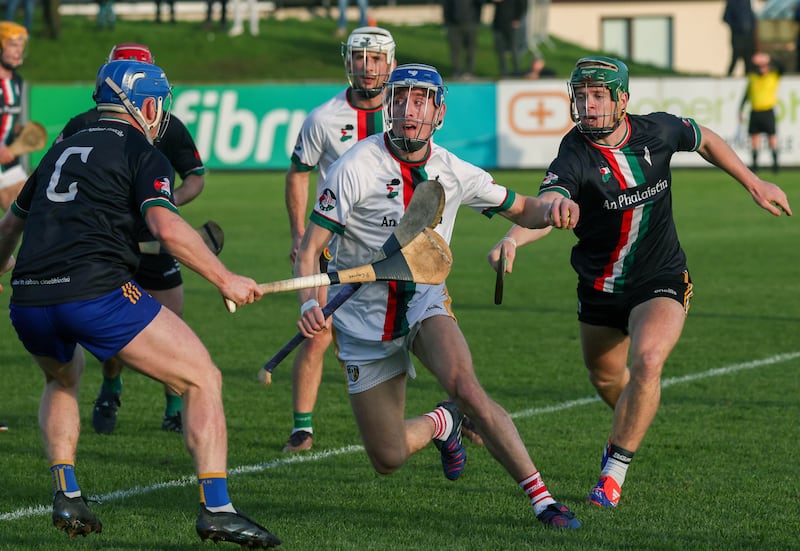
539,113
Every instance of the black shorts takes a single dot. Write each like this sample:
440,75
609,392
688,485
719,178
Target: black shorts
762,122
613,309
158,272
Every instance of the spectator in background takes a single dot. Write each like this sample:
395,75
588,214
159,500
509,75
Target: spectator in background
741,19
462,18
27,6
363,6
797,40
106,18
762,94
539,69
223,18
171,4
51,18
507,27
238,16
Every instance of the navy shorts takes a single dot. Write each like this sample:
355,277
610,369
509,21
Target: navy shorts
158,272
613,309
103,325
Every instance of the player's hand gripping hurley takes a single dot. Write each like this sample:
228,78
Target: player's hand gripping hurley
423,211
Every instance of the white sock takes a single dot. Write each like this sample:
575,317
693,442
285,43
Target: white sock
442,423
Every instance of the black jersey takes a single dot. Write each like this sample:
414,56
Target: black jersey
626,233
176,143
84,206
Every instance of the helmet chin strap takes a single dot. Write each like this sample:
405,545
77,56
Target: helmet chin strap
134,111
368,93
406,145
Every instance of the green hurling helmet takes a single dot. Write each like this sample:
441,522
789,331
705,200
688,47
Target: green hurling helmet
594,71
601,71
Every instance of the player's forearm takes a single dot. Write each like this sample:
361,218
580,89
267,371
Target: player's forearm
191,187
296,202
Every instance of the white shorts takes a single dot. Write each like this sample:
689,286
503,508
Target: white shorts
14,175
370,363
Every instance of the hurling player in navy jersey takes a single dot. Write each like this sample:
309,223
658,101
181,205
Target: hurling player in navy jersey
633,283
159,274
81,212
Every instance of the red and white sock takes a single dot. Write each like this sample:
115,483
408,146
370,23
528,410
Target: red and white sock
535,489
442,423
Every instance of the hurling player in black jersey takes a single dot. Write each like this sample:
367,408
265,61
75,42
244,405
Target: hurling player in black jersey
81,212
633,283
159,274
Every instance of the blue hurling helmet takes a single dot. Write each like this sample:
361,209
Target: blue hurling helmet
122,86
408,77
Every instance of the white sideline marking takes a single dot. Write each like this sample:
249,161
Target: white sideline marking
315,456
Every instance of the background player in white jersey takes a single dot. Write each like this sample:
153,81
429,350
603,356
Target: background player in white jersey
633,283
328,131
364,196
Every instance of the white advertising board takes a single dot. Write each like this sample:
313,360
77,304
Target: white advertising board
532,116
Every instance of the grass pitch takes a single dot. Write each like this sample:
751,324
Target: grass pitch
718,469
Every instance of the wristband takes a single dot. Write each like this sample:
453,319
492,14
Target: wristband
510,240
308,305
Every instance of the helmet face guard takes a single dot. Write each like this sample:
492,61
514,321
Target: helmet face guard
123,86
131,50
415,104
597,72
358,63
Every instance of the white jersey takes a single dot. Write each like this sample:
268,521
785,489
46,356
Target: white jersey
364,197
330,130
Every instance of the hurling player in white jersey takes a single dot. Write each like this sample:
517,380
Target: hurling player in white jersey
633,283
329,130
376,331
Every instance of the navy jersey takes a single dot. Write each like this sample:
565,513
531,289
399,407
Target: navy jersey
626,234
176,143
84,205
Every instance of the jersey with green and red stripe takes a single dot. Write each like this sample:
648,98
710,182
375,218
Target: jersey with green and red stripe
331,129
626,234
363,199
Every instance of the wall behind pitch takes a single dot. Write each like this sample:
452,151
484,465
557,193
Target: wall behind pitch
515,124
254,127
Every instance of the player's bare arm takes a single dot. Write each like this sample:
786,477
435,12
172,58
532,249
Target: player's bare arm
516,237
549,209
186,245
11,227
314,241
297,183
766,194
190,188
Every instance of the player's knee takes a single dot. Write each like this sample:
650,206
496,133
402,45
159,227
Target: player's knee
387,460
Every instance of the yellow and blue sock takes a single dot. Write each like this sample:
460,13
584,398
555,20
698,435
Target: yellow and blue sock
64,478
214,492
